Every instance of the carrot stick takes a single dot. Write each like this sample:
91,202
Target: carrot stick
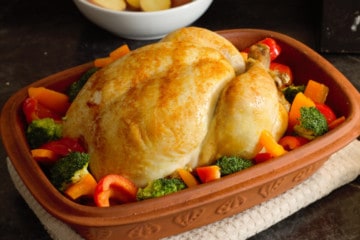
336,122
119,52
316,91
270,144
85,187
44,155
114,55
102,62
56,101
187,177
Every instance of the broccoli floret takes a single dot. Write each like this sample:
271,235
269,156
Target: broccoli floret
311,123
291,91
41,131
232,164
160,187
76,86
69,169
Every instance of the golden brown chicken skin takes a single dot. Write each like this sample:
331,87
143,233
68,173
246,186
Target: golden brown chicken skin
147,114
181,102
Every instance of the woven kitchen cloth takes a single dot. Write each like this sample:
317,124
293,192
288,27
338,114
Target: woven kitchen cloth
341,168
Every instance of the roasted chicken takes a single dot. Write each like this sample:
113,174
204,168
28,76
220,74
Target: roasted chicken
181,102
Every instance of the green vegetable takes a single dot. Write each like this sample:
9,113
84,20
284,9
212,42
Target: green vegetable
160,187
41,131
69,169
291,91
232,164
311,123
75,87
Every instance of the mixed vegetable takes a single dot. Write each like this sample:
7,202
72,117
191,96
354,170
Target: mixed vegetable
65,160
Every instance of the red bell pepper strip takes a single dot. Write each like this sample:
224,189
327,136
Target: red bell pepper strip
282,69
114,187
34,110
56,101
275,49
64,146
291,142
208,173
262,157
326,111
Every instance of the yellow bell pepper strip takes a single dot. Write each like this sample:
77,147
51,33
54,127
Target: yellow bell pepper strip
270,144
85,187
114,187
300,101
187,177
208,173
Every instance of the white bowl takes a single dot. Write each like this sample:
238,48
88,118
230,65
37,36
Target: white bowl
143,25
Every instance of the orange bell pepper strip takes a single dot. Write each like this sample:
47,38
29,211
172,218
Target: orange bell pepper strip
316,91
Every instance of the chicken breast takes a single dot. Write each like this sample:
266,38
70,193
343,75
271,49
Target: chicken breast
148,113
209,38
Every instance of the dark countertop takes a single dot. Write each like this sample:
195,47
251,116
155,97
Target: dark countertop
38,38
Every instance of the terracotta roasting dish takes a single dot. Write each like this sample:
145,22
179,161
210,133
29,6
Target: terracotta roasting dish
206,203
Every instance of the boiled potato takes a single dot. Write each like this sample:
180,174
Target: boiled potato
133,4
154,5
119,5
176,3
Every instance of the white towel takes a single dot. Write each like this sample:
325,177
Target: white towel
341,168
